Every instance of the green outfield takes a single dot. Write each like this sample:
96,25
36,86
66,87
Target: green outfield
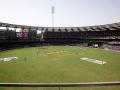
57,64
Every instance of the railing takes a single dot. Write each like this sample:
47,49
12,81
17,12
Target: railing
60,85
88,84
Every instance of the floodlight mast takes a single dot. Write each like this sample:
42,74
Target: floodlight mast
52,13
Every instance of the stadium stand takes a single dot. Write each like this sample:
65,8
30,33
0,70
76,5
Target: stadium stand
89,35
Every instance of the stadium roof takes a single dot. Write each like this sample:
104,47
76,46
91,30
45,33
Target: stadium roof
114,26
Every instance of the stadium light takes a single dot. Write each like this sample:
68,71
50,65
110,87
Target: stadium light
52,13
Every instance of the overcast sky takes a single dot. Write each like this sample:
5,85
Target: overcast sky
67,12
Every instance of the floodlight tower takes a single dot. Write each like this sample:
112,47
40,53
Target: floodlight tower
52,13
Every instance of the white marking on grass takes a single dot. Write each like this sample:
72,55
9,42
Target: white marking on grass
93,60
111,50
8,59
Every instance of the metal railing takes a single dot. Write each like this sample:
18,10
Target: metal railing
59,85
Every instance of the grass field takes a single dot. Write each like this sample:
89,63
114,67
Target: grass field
50,64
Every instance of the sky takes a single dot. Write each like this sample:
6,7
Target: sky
68,13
